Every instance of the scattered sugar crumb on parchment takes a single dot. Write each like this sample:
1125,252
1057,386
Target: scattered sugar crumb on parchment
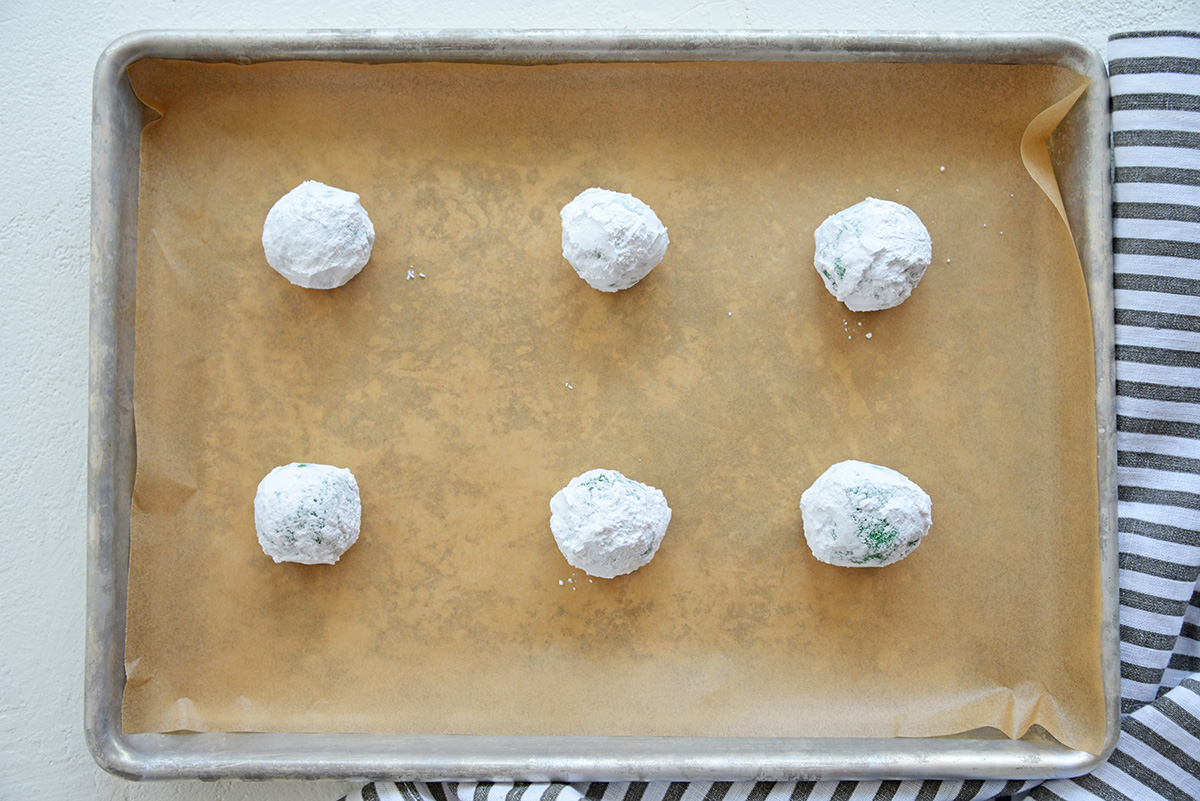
411,274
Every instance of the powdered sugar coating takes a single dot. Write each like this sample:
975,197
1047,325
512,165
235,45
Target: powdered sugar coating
317,236
608,525
858,514
613,240
307,513
872,255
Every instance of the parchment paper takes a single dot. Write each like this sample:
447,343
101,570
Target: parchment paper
729,378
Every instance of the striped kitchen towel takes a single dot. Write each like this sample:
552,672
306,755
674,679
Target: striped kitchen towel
1156,210
1155,80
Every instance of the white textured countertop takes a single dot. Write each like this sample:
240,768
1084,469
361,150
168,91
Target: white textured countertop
48,51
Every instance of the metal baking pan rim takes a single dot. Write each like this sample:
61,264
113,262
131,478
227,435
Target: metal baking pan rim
118,118
543,46
368,757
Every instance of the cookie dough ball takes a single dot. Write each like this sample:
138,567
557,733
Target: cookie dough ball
608,525
612,240
318,237
307,513
863,515
872,255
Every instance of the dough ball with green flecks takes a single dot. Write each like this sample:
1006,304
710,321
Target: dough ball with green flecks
318,236
872,255
608,525
863,515
307,513
613,240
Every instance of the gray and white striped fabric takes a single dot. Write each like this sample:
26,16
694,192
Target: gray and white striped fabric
691,791
1155,79
1156,210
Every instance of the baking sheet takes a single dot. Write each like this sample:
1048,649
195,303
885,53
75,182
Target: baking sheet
728,378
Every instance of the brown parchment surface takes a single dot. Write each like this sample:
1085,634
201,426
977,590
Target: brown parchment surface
729,378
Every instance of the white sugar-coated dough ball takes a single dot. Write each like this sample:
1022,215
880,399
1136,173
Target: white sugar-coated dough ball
872,255
307,513
611,239
863,515
317,236
608,525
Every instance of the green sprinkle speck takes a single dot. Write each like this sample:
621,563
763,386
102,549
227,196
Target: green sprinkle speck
879,533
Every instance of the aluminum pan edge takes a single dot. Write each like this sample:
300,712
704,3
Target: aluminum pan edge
116,126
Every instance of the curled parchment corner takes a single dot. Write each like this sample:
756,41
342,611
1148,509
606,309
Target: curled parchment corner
1045,711
1036,156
